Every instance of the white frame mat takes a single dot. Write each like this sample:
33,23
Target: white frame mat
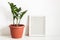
36,25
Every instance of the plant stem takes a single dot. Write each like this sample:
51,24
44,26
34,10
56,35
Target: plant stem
13,20
17,22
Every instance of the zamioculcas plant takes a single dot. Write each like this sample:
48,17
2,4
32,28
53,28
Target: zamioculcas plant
17,13
16,28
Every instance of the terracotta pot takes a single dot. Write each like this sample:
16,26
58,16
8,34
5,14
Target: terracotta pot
16,31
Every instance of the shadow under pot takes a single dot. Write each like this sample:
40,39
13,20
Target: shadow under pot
16,30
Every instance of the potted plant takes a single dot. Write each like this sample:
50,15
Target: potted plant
16,28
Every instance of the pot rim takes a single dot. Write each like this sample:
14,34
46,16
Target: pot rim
15,25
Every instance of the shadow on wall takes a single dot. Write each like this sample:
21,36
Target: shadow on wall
5,31
6,13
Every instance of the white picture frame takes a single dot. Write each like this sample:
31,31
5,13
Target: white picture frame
36,25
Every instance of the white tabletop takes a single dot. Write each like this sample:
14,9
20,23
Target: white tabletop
31,38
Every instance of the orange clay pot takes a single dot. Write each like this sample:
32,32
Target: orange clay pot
16,31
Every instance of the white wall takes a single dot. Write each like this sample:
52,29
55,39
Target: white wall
48,8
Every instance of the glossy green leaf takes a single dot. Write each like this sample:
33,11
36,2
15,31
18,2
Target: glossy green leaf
22,13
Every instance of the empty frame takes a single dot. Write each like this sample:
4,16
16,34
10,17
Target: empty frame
36,25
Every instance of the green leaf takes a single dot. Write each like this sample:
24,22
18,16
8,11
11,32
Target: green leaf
22,13
19,9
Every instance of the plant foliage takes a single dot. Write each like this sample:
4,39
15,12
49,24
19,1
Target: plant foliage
17,12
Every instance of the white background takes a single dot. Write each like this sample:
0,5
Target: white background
48,8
